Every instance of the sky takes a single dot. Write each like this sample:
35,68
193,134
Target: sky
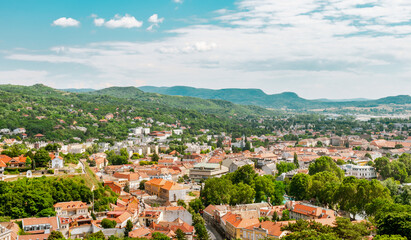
335,49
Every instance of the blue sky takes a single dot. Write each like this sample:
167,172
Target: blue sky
316,48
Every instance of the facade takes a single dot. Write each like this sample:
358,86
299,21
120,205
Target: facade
307,212
57,162
71,209
5,234
203,171
40,225
365,172
169,190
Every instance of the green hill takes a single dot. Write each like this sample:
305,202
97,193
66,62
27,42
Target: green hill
287,100
61,115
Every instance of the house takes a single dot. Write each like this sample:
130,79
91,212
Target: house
169,190
264,230
121,217
164,226
40,225
114,186
17,162
142,232
310,212
57,162
2,167
235,223
133,179
165,214
203,171
358,171
270,168
5,234
71,209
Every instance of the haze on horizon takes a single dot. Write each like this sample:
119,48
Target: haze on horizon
335,49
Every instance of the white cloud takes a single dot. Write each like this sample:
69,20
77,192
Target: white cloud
66,22
178,1
126,21
155,21
316,48
22,77
99,22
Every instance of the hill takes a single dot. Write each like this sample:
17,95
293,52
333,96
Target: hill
108,114
287,100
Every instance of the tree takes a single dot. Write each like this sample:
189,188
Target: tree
297,165
127,188
394,219
285,215
180,235
217,191
345,229
142,185
325,163
242,194
196,205
324,185
284,167
28,161
155,158
181,202
55,235
42,158
159,236
389,237
128,228
300,185
106,223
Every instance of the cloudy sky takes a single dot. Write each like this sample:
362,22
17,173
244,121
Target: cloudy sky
316,48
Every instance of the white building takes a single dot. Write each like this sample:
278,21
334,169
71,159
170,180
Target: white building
57,162
366,172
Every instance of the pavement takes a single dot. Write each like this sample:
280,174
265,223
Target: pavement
214,235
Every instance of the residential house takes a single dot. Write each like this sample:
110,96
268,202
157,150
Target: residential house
40,225
235,223
203,171
169,190
309,212
71,209
5,234
57,162
358,171
270,168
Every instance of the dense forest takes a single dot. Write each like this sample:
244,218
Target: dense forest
29,197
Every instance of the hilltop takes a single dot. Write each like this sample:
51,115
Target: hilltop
287,100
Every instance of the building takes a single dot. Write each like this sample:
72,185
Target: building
71,209
263,230
5,234
203,171
57,162
358,171
40,225
169,190
235,223
308,212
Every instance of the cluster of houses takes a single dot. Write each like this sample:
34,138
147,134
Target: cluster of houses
261,220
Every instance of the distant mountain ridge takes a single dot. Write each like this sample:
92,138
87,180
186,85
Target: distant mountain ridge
287,100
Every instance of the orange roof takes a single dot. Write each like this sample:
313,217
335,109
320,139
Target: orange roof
237,221
37,221
71,205
2,164
273,228
5,158
139,232
34,237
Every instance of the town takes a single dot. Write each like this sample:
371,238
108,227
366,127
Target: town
165,183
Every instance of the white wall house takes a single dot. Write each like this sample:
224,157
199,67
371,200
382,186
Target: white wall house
366,172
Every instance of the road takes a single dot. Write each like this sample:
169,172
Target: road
214,235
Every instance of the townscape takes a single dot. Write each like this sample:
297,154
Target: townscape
165,180
205,120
